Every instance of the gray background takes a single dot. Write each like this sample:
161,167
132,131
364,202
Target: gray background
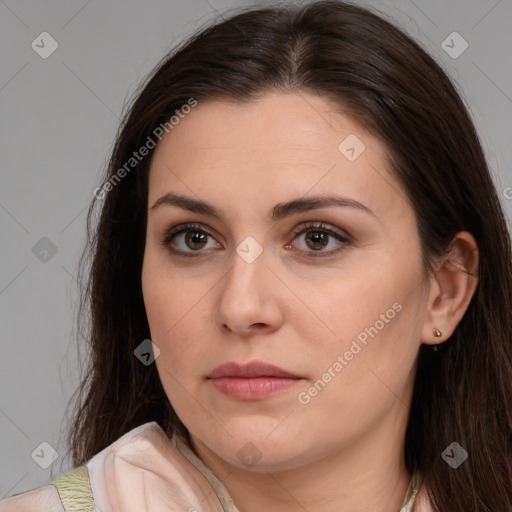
58,119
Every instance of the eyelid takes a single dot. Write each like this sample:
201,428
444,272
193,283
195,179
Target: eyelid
183,228
341,236
321,226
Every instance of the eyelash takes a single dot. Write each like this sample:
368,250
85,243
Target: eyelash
311,226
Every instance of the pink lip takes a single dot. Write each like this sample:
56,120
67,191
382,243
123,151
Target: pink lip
253,381
253,369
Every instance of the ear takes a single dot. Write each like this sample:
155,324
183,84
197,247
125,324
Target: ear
451,288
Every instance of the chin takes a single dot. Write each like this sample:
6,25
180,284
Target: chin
260,452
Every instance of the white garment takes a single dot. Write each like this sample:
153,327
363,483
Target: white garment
145,471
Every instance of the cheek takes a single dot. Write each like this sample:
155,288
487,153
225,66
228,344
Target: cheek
169,300
352,303
174,326
375,318
175,312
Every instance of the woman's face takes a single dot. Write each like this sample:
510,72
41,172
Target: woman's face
272,272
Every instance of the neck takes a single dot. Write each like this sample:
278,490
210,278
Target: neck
369,475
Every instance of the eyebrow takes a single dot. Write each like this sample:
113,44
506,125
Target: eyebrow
279,211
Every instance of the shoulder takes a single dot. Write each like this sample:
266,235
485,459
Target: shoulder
143,470
42,499
69,492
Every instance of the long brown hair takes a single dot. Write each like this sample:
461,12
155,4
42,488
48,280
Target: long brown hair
376,72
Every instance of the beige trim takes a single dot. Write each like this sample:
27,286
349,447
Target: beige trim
75,490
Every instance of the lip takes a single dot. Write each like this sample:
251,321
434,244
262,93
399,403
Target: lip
253,381
252,369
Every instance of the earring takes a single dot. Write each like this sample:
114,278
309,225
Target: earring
436,333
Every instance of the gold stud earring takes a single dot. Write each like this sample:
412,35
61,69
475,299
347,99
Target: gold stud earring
437,333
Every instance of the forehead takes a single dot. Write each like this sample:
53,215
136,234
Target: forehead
283,143
299,121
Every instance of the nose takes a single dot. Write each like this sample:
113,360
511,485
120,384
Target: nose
249,299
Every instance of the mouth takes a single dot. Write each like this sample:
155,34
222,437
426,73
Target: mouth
253,381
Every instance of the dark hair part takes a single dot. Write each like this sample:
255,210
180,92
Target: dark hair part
377,73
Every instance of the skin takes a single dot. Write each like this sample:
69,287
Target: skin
343,450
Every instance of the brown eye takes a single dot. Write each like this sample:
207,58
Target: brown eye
185,240
196,239
317,238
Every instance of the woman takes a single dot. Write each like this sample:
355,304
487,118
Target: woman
301,249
